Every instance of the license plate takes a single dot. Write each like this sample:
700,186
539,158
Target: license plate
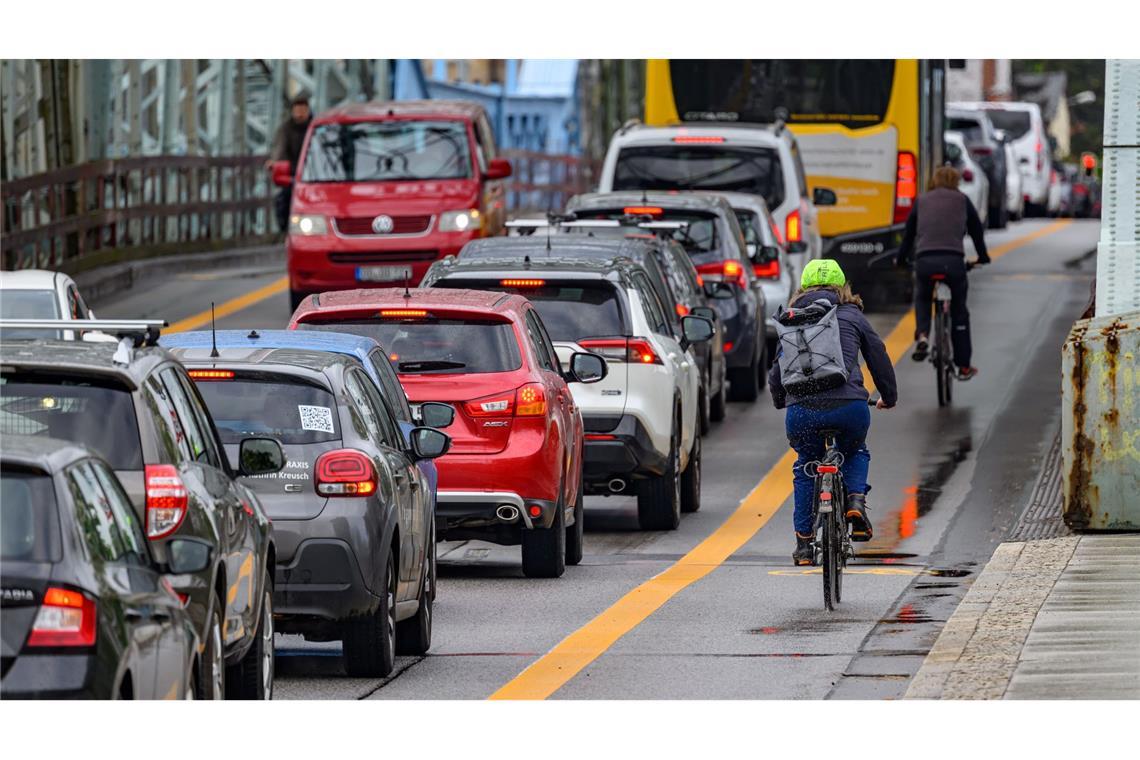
383,274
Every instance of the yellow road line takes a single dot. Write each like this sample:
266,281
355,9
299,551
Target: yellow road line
553,670
231,306
1006,247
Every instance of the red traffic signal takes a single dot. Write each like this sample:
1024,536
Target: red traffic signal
1088,160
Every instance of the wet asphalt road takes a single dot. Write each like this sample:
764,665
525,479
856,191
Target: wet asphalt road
948,485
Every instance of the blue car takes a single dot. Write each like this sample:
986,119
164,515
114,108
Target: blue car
365,350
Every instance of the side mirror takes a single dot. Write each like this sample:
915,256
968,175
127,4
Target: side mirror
188,555
282,173
707,312
769,253
696,329
436,415
823,196
429,443
499,168
260,456
587,368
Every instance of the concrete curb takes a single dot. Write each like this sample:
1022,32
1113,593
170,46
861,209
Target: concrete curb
98,285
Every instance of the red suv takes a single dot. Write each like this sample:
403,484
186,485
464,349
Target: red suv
384,189
514,471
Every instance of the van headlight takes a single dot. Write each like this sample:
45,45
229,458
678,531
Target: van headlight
307,224
460,221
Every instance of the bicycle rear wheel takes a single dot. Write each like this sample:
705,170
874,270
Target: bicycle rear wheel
839,518
943,364
829,556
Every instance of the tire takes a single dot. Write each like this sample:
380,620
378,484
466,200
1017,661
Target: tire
295,298
838,560
544,549
718,405
691,481
252,677
413,636
830,557
211,682
575,534
944,365
370,641
998,218
743,385
659,498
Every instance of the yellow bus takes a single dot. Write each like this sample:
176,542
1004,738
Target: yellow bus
870,130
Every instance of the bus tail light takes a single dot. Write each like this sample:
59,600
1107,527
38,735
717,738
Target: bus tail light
906,185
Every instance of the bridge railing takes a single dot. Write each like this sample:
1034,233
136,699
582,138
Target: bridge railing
543,182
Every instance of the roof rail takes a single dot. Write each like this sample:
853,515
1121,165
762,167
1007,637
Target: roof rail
142,332
628,220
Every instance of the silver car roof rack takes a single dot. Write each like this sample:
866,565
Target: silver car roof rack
631,221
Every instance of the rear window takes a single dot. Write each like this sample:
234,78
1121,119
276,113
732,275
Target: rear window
29,527
388,151
971,129
29,304
742,169
437,346
570,311
100,417
699,237
291,412
1015,123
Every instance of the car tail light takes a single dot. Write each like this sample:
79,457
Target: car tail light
729,270
967,175
769,270
531,401
698,139
65,619
345,472
535,510
1040,155
728,346
633,350
166,500
643,210
794,232
499,405
522,283
682,310
403,313
980,150
211,374
906,185
600,437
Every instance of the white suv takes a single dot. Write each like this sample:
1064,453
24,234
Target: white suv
641,420
1026,129
749,158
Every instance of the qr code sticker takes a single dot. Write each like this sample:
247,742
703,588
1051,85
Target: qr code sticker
316,418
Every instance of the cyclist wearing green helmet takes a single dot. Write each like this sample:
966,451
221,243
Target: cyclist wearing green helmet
842,408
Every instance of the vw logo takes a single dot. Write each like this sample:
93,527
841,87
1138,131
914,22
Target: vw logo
382,224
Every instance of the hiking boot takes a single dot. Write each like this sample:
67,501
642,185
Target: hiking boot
857,517
921,349
805,552
966,373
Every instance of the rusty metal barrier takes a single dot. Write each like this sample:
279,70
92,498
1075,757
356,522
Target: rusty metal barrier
543,182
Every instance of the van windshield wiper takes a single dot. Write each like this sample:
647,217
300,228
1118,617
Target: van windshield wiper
427,365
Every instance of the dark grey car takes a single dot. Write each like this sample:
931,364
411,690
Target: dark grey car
987,149
352,516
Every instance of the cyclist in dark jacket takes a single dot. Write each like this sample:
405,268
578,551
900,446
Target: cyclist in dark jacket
934,240
843,408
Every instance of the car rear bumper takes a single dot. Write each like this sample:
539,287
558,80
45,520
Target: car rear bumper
623,453
52,676
322,581
495,516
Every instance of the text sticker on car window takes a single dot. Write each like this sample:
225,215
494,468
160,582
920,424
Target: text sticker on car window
316,418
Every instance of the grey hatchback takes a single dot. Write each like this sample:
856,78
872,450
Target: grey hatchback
352,515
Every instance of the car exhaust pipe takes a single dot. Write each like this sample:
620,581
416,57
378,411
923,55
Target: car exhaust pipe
617,485
507,513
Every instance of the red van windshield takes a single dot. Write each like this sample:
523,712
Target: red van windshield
388,151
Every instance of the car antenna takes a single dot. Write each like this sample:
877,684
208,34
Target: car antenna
213,334
407,293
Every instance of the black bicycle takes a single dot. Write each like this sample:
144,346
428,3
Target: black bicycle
941,348
829,521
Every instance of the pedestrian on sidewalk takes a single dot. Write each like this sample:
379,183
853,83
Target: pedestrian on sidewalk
287,147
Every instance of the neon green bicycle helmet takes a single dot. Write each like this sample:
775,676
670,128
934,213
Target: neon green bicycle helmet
822,272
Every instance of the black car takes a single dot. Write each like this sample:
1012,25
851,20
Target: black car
985,147
88,613
715,243
139,411
352,513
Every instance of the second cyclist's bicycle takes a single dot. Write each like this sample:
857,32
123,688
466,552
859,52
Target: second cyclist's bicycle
941,348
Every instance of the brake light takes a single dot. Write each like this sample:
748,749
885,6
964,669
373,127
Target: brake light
794,233
166,500
403,313
728,345
768,270
211,374
643,210
65,619
729,270
906,185
980,150
522,283
682,310
600,437
633,350
827,468
698,139
531,401
345,472
491,406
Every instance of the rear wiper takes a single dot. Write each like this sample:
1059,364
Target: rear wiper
430,365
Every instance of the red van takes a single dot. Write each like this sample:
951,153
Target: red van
382,190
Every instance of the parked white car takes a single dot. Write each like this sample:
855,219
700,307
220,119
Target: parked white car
1014,181
757,159
42,294
974,183
1026,130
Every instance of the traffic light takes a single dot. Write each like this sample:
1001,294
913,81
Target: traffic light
1088,164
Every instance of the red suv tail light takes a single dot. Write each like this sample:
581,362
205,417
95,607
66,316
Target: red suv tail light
633,350
65,619
531,401
345,472
906,185
729,270
166,500
499,405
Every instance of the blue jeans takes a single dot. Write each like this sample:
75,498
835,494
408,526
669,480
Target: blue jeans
852,420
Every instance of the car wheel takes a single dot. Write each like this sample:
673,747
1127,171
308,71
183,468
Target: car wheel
659,498
370,641
705,407
295,298
544,549
575,537
743,384
413,636
211,682
719,403
252,677
691,481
